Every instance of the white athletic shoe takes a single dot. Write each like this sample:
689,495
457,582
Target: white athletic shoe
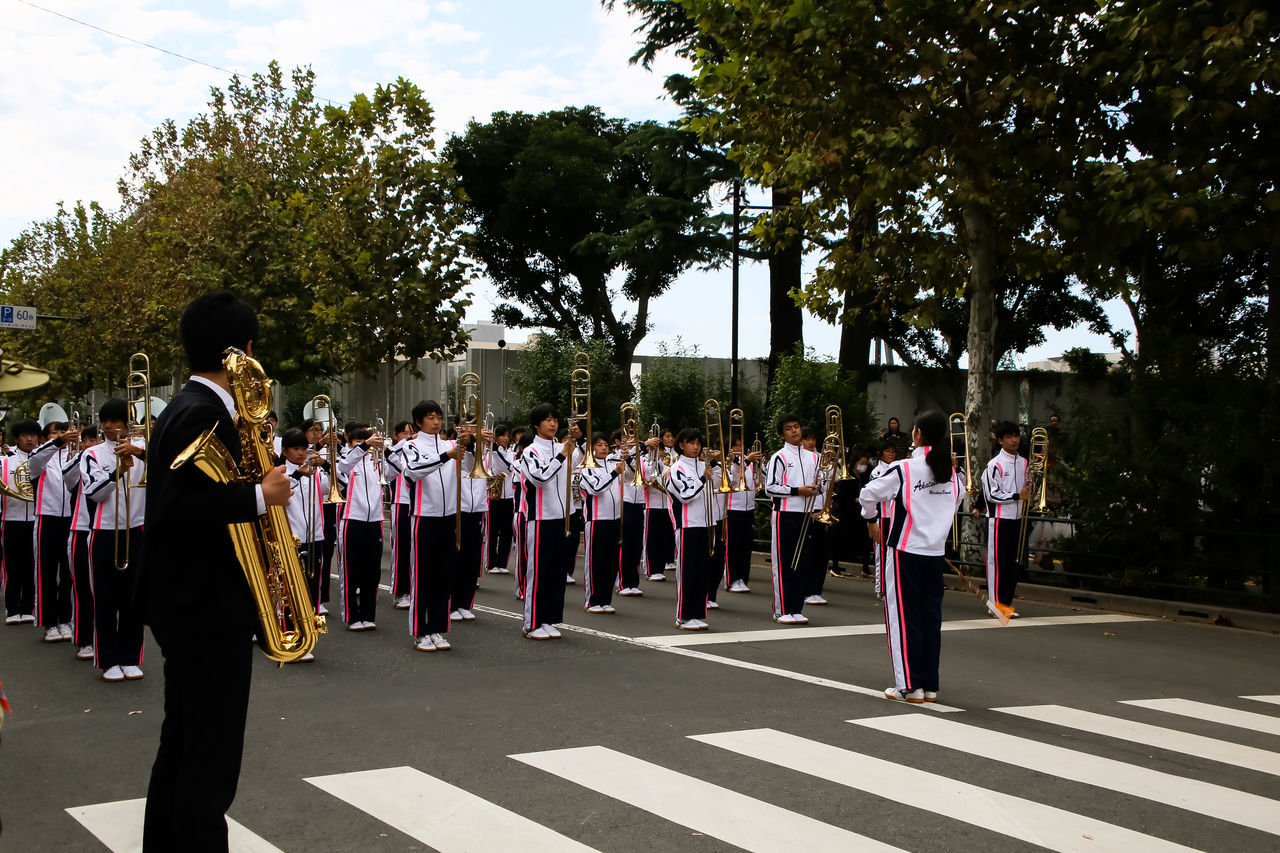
369,626
931,696
455,616
814,599
115,673
671,567
27,619
15,619
552,632
569,579
915,697
424,644
323,611
84,653
133,673
738,586
629,590
539,633
595,608
66,631
713,605
499,570
440,642
691,625
607,608
355,626
307,658
467,615
53,635
403,602
790,619
657,577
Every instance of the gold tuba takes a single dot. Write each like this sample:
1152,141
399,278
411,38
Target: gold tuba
266,549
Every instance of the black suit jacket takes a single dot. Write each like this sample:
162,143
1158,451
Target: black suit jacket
191,580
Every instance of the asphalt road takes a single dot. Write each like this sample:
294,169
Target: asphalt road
628,736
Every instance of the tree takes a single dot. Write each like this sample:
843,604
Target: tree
805,386
543,377
676,385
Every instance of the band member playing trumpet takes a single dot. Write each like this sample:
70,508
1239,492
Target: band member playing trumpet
401,522
659,545
19,567
791,483
475,530
110,473
633,519
1004,488
81,571
54,584
520,524
360,529
741,518
308,484
690,486
887,455
602,509
547,475
501,500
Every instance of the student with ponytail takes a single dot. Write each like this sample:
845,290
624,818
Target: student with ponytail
924,490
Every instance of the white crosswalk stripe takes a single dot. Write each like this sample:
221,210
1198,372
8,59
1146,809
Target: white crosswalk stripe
1148,735
1047,826
703,807
1193,795
118,825
1274,700
442,816
1250,720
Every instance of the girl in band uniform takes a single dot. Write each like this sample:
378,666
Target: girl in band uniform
401,522
1004,488
602,507
53,527
360,529
547,479
789,483
19,566
690,484
81,583
740,519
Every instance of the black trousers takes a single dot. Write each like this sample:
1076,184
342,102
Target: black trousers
434,559
501,512
470,561
693,572
82,584
738,555
117,625
19,567
402,550
603,556
815,570
788,585
330,545
309,555
569,556
544,578
1002,558
520,529
913,618
361,543
659,543
715,563
53,571
632,544
197,767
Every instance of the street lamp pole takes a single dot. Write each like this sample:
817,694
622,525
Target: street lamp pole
737,226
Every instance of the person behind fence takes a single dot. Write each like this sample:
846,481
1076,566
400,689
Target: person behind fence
1004,488
925,490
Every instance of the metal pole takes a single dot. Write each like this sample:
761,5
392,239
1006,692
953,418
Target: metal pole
737,225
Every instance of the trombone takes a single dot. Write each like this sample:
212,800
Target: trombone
711,416
140,380
737,422
579,409
655,431
1038,502
825,469
468,413
960,430
629,415
319,402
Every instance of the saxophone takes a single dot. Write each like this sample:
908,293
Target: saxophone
266,549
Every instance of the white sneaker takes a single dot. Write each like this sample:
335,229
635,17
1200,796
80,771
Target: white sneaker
814,599
15,619
607,608
27,619
657,577
467,615
671,567
552,632
631,590
323,611
355,626
713,605
133,673
691,625
500,570
84,653
595,608
53,635
403,602
440,642
799,619
539,633
791,619
455,616
115,673
569,579
369,626
931,696
424,644
915,697
67,633
307,658
738,586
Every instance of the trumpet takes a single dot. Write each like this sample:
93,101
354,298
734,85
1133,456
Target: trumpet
1039,500
73,447
630,416
655,431
825,470
579,409
321,402
468,411
710,417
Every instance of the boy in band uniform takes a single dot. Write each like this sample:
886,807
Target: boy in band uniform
19,566
53,528
789,482
659,541
1004,488
634,516
690,485
110,473
520,524
78,547
401,522
602,512
886,456
501,508
308,485
547,478
576,525
741,517
360,529
475,529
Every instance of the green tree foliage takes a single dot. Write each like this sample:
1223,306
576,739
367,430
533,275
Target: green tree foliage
339,224
675,386
543,377
805,385
575,213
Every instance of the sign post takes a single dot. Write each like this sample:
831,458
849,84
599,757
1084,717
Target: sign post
17,317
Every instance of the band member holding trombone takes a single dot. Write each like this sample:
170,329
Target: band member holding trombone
791,481
308,484
925,491
548,480
602,513
1004,488
740,517
53,525
360,529
691,487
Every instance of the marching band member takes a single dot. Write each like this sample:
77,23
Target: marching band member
719,538
689,485
81,571
316,437
602,508
576,525
1004,488
475,530
110,473
401,522
884,519
430,461
360,529
741,516
520,526
547,479
633,521
789,483
659,542
19,565
813,569
502,507
925,490
308,485
53,528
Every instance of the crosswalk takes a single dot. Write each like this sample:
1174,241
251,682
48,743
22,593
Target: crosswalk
960,790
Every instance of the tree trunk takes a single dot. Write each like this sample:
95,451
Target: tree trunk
786,321
855,341
980,388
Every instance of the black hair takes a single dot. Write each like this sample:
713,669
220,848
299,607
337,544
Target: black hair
91,431
26,426
293,438
787,418
210,324
114,409
500,430
424,408
881,446
52,425
807,432
308,423
359,432
272,416
518,432
689,434
667,431
891,420
402,426
540,413
1006,428
933,426
598,436
526,439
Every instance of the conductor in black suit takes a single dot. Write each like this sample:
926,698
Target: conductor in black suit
194,594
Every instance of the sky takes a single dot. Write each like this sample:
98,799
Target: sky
76,101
